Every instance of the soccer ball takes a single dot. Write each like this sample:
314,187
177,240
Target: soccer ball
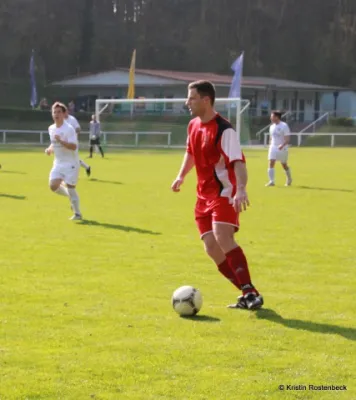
187,300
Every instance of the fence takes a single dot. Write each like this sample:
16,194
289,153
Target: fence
333,142
111,139
154,138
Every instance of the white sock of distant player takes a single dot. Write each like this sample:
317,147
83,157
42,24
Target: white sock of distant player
271,174
83,164
288,173
74,199
62,190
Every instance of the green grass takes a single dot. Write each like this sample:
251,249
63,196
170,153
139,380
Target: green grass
85,307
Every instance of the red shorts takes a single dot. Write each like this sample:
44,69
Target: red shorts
218,210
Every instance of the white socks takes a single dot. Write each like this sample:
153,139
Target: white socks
289,174
83,164
62,191
74,199
271,174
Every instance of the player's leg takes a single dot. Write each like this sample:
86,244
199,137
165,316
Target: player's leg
56,181
284,162
224,235
100,148
85,166
225,224
203,219
271,164
217,255
288,174
91,149
71,179
57,187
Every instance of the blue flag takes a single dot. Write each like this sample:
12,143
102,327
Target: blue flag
33,100
237,66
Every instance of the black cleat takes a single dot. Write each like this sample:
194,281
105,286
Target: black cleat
248,301
88,171
241,303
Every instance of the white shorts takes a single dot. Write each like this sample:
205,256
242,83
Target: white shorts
279,155
69,173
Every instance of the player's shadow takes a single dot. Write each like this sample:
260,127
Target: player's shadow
317,327
118,227
12,196
201,318
325,189
103,181
13,172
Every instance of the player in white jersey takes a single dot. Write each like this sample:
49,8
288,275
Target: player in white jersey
64,145
278,150
75,124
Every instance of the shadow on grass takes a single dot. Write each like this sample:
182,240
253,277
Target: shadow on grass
13,172
202,318
325,189
123,228
103,181
310,326
12,196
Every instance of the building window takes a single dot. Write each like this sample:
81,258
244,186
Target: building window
309,102
158,107
140,106
169,106
285,104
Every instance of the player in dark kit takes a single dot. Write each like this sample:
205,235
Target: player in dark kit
213,147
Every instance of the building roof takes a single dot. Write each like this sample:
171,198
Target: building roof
247,81
114,78
149,77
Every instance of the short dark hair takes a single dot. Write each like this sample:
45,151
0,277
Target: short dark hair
277,113
204,88
60,105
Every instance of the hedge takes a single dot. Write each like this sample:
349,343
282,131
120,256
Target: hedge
341,122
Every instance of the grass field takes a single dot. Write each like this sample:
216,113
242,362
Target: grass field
85,307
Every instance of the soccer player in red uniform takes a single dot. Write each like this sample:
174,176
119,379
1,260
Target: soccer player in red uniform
213,147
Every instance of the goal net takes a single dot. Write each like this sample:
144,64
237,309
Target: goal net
160,122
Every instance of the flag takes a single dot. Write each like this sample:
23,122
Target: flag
237,66
33,100
131,91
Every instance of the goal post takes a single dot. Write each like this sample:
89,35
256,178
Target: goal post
161,122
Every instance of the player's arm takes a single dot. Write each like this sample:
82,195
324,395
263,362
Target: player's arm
233,155
77,126
71,143
187,165
270,135
68,145
241,199
286,138
49,149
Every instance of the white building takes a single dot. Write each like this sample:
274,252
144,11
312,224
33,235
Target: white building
307,100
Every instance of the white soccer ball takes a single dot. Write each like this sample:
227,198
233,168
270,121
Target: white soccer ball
187,300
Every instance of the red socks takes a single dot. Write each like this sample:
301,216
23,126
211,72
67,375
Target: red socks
226,270
239,267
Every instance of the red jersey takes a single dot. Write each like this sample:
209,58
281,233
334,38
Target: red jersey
215,146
